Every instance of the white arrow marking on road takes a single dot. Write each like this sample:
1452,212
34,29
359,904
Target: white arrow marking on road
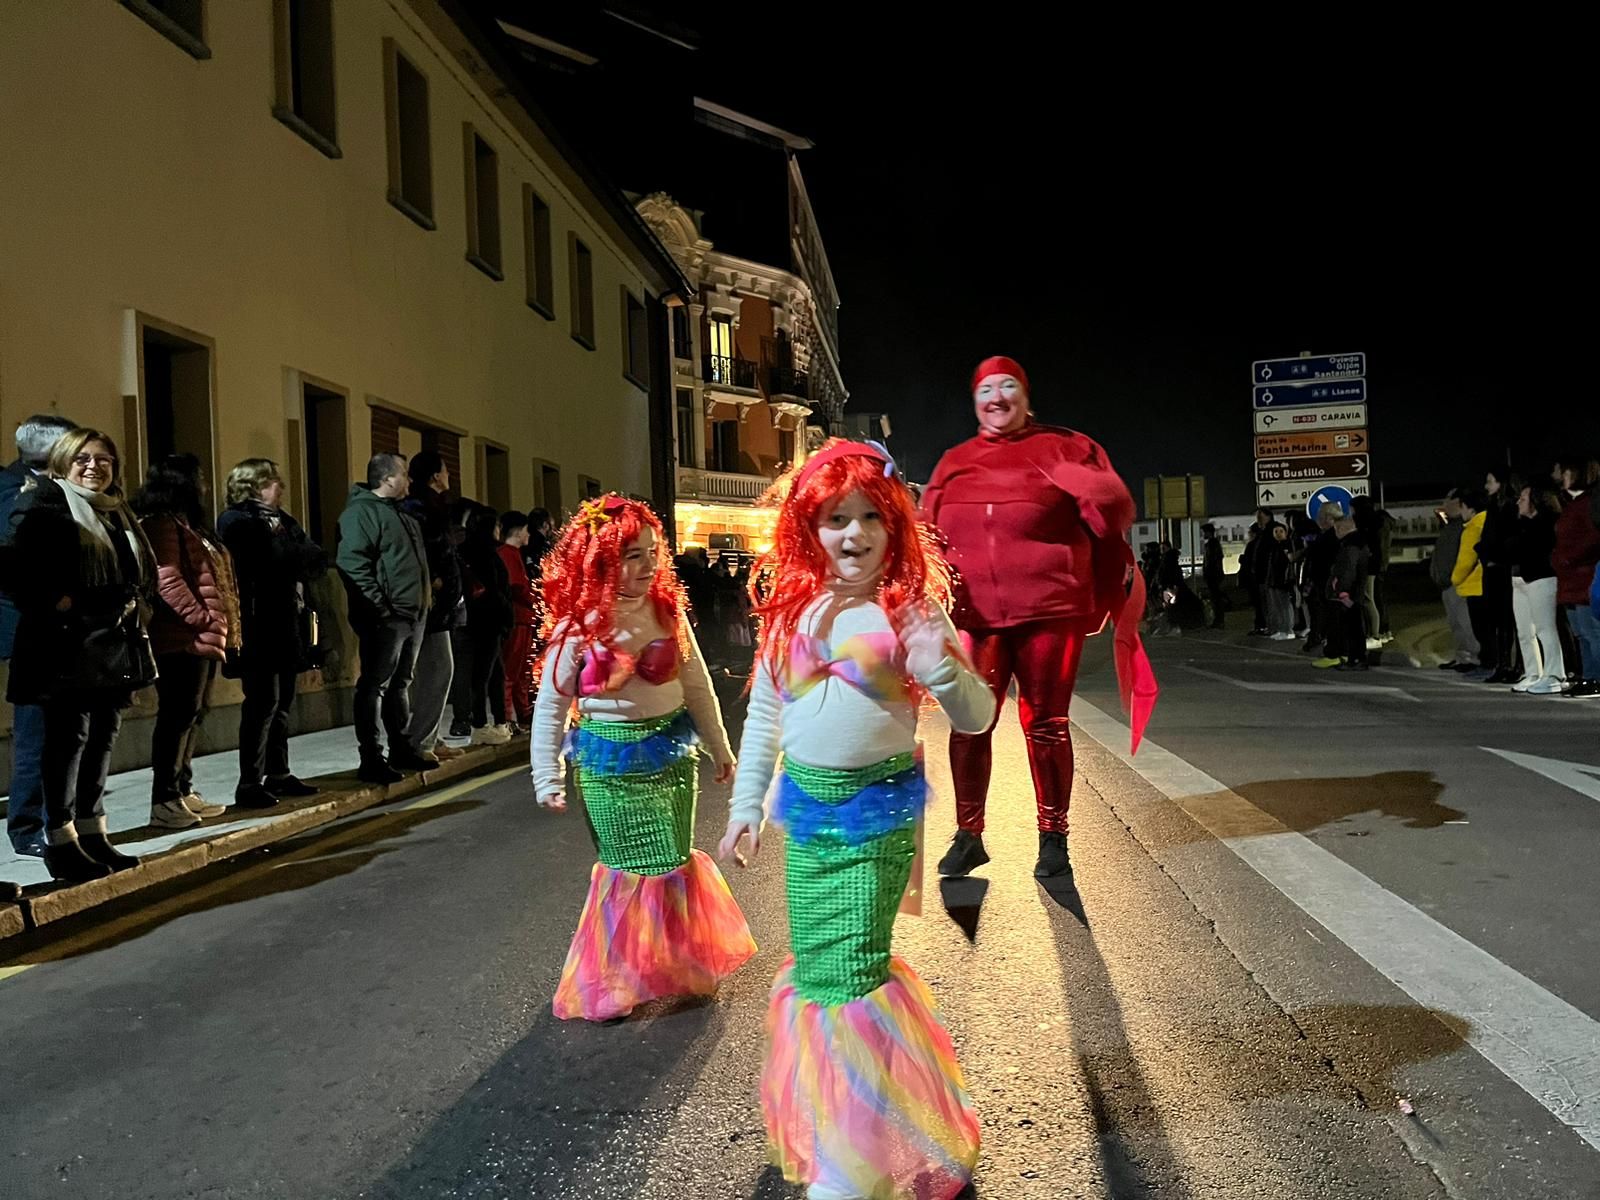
1308,689
1540,1042
1580,777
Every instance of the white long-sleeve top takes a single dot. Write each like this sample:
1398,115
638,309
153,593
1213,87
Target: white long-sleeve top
835,724
637,625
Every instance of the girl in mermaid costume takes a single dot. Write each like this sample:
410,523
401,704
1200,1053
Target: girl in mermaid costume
861,1090
659,919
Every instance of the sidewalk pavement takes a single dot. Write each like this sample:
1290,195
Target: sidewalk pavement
326,758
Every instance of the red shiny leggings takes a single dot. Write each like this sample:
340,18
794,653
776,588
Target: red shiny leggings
1043,657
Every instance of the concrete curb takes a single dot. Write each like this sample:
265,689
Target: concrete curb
48,903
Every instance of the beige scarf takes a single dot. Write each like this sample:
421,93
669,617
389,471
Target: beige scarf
100,517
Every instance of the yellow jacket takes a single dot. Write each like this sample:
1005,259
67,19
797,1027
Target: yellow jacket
1467,578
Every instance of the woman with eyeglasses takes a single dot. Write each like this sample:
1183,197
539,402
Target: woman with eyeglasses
82,646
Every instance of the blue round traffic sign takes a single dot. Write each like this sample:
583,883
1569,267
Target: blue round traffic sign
1332,494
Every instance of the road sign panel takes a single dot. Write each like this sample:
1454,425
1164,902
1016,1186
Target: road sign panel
1311,443
1174,498
1328,466
1293,495
1328,416
1338,391
1296,370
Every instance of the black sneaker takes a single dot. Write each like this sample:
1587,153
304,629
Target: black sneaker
460,728
287,786
966,854
30,845
1053,858
9,890
98,847
1351,664
68,863
1584,689
408,759
1448,666
377,771
253,795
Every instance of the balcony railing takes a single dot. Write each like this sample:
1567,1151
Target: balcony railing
788,383
730,372
694,484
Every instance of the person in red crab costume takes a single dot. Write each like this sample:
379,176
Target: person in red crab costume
1037,523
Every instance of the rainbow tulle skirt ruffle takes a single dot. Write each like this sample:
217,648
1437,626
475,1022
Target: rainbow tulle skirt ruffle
659,919
866,1097
861,1090
645,936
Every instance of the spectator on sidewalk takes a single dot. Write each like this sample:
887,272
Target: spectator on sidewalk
1377,527
1253,545
275,564
1279,585
25,801
1324,547
1575,559
541,529
428,504
460,639
1215,580
1346,586
1446,546
1467,579
1533,593
488,621
195,628
516,655
1259,565
384,565
1501,489
82,645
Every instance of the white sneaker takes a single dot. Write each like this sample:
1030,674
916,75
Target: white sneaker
1283,637
1374,643
201,807
172,814
490,735
1541,687
1523,684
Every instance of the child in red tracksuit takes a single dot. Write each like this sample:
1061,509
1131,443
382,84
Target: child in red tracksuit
516,652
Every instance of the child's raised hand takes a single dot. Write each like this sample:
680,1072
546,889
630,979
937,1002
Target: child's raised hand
555,802
923,633
737,831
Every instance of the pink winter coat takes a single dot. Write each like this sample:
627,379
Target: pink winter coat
198,595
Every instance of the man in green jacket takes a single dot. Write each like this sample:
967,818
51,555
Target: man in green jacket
384,564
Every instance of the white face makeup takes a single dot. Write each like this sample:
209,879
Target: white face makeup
853,537
1001,403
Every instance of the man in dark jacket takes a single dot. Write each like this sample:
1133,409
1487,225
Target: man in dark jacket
429,506
1212,572
25,802
1346,587
1446,546
384,564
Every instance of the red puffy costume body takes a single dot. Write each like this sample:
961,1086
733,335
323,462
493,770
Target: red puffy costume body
1037,523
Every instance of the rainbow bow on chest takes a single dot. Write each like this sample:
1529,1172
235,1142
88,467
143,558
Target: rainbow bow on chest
872,663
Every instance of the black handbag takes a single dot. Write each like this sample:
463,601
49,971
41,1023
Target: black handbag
115,653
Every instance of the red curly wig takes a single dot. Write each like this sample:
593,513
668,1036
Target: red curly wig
582,568
794,572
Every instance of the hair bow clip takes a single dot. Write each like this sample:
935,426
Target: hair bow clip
890,468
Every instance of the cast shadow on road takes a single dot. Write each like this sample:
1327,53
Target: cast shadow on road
557,1114
313,858
963,902
1136,1157
1355,1056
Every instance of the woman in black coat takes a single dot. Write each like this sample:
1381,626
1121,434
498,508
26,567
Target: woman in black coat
82,645
274,561
1496,552
489,620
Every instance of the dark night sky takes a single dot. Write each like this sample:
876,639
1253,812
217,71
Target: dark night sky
1137,222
